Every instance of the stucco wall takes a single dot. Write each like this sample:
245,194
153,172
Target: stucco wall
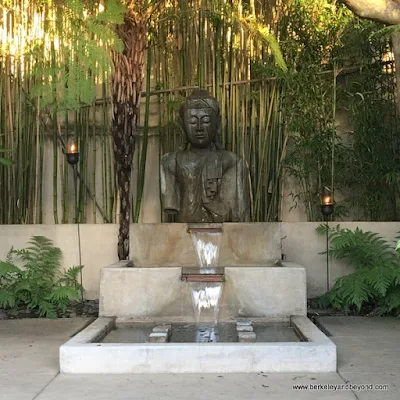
98,247
299,243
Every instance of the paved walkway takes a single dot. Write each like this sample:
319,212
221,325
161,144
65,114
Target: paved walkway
368,353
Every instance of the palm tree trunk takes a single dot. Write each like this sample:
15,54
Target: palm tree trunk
126,88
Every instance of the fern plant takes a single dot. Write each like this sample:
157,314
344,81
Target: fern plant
375,284
38,284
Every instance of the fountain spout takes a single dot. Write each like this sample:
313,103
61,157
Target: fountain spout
189,276
203,229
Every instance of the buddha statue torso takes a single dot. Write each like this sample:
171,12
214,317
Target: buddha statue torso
203,183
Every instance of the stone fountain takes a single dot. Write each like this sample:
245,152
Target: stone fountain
204,292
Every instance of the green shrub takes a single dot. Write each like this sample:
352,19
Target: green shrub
375,284
39,283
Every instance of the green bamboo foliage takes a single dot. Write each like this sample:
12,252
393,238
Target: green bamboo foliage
35,128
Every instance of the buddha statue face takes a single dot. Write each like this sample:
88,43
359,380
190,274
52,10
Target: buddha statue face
200,126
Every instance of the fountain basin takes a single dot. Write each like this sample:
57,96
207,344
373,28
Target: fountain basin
84,354
180,332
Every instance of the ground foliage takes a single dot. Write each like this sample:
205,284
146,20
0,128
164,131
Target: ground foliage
32,278
375,283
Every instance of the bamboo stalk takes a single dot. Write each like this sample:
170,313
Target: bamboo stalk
19,134
142,165
83,133
10,142
333,132
200,62
55,147
2,145
94,163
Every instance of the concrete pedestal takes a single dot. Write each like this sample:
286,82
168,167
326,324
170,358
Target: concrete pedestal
137,292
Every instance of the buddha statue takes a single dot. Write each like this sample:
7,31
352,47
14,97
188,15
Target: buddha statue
203,182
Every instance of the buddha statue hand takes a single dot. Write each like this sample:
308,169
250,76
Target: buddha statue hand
212,201
218,210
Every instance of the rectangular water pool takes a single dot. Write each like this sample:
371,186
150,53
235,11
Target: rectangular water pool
192,333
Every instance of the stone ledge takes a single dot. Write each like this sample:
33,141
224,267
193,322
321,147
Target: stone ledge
158,337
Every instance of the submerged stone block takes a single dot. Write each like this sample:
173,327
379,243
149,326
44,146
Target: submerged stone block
244,328
246,337
159,337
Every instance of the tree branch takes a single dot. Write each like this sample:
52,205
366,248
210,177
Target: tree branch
386,11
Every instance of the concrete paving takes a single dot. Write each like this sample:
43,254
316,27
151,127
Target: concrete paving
29,354
368,353
190,386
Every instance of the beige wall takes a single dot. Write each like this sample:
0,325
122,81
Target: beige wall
98,247
299,243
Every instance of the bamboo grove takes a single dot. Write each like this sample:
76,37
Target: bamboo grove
278,113
48,95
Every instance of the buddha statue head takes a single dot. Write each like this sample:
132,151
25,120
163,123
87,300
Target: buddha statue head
200,121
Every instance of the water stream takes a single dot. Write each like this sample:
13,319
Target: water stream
205,301
206,246
206,296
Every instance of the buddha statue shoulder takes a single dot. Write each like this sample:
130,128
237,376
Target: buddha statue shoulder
203,182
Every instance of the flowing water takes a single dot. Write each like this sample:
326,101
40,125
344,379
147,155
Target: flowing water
206,295
206,246
205,300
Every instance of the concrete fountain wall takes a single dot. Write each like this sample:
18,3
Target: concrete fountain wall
137,292
254,284
242,244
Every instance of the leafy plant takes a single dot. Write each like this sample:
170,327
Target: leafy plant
5,161
66,69
39,283
375,284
